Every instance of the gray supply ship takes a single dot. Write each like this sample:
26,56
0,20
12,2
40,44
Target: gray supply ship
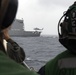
17,30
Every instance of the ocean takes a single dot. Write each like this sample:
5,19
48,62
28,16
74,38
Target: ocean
39,50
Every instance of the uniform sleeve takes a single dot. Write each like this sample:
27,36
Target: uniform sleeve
10,67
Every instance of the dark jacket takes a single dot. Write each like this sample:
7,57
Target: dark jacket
14,51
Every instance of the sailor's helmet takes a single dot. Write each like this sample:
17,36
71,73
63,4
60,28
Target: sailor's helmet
67,29
8,9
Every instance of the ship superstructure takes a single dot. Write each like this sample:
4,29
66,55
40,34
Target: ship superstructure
17,29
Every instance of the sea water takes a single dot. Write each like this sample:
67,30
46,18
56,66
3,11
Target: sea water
39,50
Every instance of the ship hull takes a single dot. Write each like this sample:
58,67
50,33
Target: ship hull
25,34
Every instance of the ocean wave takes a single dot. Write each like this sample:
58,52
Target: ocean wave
35,60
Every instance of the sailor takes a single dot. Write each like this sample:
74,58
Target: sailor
65,62
8,66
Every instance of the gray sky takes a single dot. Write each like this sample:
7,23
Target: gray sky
42,14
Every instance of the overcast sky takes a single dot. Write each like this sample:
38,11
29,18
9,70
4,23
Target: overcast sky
42,14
